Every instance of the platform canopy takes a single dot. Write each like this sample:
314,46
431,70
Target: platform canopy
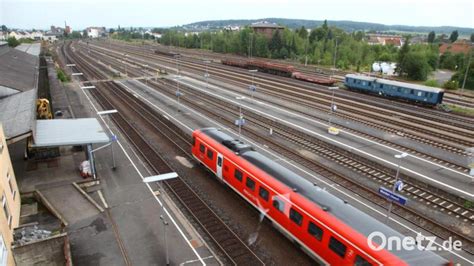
69,132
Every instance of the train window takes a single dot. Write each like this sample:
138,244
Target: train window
238,175
315,231
263,193
250,183
399,89
296,216
210,154
202,148
278,204
337,246
347,79
420,93
219,161
370,83
412,91
359,261
381,86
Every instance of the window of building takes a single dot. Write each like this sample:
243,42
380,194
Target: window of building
337,246
10,184
6,210
238,175
250,183
3,252
359,261
315,231
202,148
296,216
210,154
263,193
278,204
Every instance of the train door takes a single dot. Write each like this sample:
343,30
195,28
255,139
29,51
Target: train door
220,161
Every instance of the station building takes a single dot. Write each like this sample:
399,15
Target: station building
266,28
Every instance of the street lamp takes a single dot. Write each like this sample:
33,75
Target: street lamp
252,88
157,178
398,185
335,56
240,122
332,130
206,75
178,93
113,137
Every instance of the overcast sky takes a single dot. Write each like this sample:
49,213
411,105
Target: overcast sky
79,14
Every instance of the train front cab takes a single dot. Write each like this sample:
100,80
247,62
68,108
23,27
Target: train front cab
208,156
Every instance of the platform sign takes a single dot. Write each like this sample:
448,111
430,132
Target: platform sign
392,196
399,185
239,122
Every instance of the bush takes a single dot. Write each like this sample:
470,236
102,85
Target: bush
13,42
431,83
62,76
451,85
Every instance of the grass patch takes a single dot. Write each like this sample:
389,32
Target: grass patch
460,110
62,76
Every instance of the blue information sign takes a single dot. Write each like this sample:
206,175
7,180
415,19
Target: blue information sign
392,196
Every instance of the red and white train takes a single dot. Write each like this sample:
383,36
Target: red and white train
328,228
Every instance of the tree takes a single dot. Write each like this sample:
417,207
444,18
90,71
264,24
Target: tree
472,37
13,42
454,36
4,28
303,33
401,57
276,42
431,37
416,66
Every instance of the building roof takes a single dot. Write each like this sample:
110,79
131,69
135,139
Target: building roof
456,47
18,69
18,115
266,25
30,48
69,132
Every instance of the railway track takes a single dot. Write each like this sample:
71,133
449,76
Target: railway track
420,131
111,96
215,109
430,225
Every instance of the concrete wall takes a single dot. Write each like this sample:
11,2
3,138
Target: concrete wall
53,252
8,190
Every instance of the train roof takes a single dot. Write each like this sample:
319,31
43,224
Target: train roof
396,83
360,221
366,78
409,85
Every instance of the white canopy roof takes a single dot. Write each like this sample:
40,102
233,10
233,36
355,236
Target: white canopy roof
69,132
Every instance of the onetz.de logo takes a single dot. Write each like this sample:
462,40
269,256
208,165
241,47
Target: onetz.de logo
378,241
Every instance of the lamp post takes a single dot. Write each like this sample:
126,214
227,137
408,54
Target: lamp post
397,184
178,93
465,73
252,88
112,136
240,122
206,75
333,108
157,178
335,56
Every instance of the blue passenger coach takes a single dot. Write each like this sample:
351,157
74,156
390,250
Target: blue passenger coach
395,89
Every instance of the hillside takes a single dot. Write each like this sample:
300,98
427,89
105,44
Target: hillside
343,24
